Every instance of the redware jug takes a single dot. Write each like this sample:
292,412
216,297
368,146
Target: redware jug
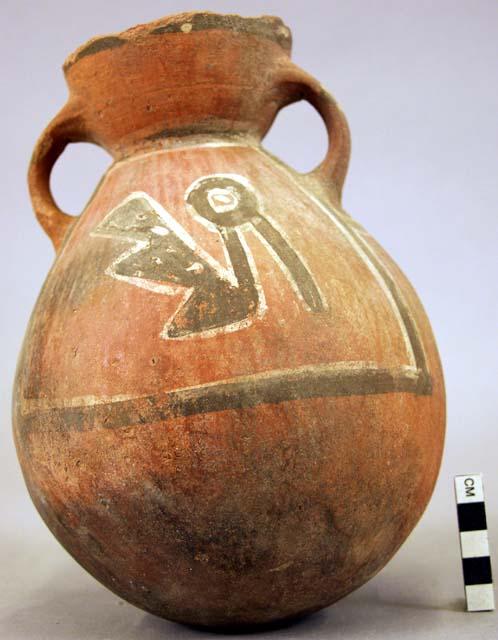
229,406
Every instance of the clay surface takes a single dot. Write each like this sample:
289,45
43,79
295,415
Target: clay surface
229,407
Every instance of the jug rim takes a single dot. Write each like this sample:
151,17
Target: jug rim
265,26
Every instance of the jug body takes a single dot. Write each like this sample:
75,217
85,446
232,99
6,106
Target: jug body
229,407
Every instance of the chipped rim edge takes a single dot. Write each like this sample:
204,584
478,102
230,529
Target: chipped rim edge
266,26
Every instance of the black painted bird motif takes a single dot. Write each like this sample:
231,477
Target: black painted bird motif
165,258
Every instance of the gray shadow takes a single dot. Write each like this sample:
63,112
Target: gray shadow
60,612
67,603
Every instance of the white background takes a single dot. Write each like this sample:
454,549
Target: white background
418,81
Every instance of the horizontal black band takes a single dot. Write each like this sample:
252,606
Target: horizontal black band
266,388
477,571
472,516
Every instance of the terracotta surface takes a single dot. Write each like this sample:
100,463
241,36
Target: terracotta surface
229,406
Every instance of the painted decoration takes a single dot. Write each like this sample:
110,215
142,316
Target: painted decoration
229,406
164,258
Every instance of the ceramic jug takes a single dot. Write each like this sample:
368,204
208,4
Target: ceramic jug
229,406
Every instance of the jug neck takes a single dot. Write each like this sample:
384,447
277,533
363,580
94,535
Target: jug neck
188,75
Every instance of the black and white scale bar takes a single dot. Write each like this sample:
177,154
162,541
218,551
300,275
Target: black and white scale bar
474,543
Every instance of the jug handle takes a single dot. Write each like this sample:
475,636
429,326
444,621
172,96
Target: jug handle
295,85
66,127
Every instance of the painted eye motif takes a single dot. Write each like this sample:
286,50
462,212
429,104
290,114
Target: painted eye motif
222,200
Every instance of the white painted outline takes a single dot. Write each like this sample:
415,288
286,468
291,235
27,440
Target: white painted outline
283,266
173,226
245,182
223,193
249,226
32,405
354,240
335,215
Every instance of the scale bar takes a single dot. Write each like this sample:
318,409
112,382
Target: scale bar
474,544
